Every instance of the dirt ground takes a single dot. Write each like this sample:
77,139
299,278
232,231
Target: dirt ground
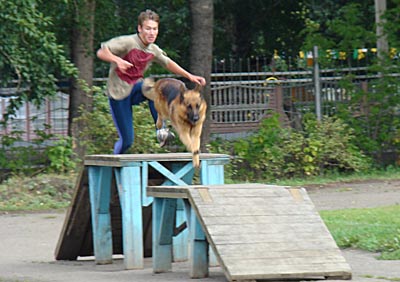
28,241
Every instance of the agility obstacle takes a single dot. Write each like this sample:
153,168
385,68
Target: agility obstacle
110,211
138,205
256,231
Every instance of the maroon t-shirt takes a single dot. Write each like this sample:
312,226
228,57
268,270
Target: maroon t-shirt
139,59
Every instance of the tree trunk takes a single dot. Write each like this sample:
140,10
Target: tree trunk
202,12
82,57
382,42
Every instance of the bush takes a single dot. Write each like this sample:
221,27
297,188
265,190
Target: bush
374,114
15,158
275,152
102,134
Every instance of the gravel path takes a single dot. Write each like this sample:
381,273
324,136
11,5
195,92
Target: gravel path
28,241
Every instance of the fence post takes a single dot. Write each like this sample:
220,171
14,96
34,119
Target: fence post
276,103
317,84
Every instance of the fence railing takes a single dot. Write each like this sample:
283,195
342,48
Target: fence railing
238,101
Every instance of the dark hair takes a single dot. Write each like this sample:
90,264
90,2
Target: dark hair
148,15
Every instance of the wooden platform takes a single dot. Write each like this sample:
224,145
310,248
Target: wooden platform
125,174
263,232
76,238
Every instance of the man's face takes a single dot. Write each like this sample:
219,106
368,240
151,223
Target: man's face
148,31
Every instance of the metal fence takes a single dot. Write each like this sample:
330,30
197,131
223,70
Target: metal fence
50,118
238,101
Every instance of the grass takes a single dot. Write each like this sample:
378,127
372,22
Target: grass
42,192
372,229
388,174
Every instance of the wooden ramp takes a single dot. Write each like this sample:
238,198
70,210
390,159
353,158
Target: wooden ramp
263,232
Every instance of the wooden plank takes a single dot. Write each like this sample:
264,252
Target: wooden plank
76,223
260,219
267,229
267,232
298,253
255,238
168,191
267,271
263,231
251,201
76,236
286,261
205,195
126,159
233,210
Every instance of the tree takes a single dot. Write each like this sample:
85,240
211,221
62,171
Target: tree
381,42
201,49
257,27
30,57
82,55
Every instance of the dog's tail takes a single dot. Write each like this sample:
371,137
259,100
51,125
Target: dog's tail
148,88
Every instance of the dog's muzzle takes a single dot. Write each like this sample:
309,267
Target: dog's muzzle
194,118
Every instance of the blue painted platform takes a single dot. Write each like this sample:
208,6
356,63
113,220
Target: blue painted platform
124,179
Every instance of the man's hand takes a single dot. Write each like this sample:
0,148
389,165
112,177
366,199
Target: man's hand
106,55
198,79
123,65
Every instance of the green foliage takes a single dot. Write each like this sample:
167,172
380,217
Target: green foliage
101,133
350,29
18,158
374,229
14,158
262,152
61,155
374,114
336,27
41,192
243,30
29,53
275,152
392,23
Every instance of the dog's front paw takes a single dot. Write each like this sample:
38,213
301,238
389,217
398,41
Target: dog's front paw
196,159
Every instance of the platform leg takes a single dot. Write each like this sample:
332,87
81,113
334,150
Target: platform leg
212,172
198,249
163,226
129,189
180,241
100,193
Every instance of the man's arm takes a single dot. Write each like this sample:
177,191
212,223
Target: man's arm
105,54
177,69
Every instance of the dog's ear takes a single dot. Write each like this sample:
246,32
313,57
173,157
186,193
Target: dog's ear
198,87
182,91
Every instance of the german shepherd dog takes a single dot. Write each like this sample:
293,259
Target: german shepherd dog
185,108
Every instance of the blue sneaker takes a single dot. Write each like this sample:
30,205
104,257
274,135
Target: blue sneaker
164,136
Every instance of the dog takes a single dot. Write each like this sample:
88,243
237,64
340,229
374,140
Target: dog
186,109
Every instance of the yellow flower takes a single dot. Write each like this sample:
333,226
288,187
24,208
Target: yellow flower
276,56
361,54
392,52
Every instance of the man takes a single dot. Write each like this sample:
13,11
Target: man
130,56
